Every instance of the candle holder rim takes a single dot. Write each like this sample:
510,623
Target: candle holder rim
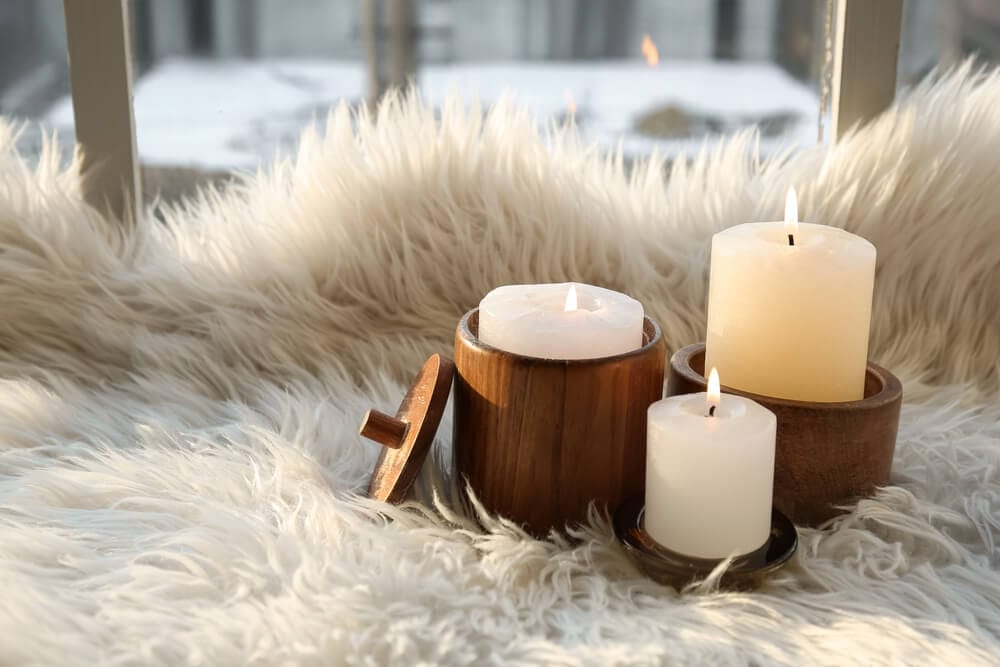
890,390
668,567
648,325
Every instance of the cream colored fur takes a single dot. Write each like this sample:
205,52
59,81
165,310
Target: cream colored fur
178,403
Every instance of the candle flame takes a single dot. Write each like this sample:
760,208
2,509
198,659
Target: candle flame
791,216
649,51
714,396
570,102
571,299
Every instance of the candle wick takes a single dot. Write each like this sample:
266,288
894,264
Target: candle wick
791,239
711,411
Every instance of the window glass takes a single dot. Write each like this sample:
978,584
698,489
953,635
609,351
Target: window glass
944,32
223,85
33,69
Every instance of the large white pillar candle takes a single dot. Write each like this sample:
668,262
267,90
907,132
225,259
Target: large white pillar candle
709,473
789,309
560,321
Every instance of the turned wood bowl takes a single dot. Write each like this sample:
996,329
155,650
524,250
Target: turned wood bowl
828,455
539,440
670,568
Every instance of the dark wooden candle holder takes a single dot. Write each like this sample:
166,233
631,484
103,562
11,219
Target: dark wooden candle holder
828,454
538,440
670,568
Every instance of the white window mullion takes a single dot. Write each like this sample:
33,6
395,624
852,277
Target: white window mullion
100,68
865,59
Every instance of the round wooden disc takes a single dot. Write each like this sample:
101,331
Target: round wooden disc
407,437
673,569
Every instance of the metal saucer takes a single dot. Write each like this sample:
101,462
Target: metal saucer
677,570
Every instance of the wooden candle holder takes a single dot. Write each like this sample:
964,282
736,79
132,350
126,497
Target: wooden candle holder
827,454
670,568
538,440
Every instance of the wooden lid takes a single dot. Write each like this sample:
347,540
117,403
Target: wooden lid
407,437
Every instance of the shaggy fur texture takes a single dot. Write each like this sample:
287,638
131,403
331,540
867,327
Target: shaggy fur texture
179,462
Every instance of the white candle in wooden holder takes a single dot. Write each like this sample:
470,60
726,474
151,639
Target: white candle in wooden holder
789,309
709,473
560,321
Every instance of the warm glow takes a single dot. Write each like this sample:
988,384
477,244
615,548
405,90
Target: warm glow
570,102
570,299
791,216
714,396
649,51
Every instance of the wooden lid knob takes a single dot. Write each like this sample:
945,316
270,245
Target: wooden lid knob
383,429
407,437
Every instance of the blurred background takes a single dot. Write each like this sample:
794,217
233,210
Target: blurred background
224,85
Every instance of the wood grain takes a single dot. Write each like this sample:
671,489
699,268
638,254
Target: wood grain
539,439
827,454
383,429
407,437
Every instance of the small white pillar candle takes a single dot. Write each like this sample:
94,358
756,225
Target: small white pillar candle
709,473
560,321
791,321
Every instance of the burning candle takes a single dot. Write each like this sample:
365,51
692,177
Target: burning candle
789,309
560,321
709,473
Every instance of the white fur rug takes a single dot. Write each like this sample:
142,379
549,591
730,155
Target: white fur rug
178,403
